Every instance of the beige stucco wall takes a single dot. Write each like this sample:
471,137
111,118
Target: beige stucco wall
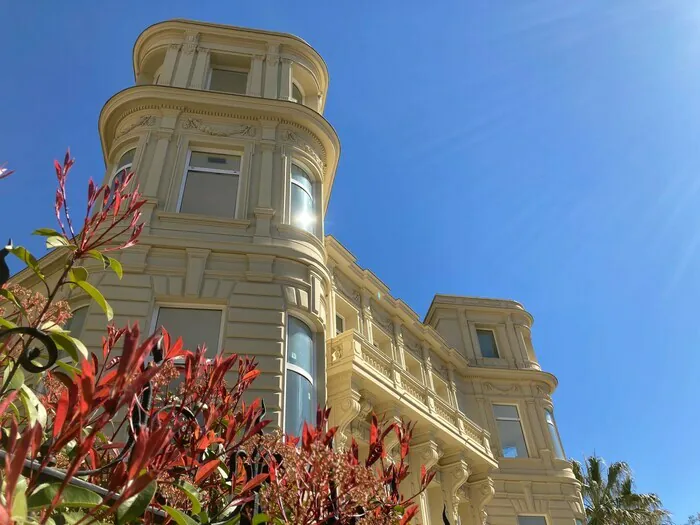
258,269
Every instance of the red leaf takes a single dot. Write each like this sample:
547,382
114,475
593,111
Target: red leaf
206,470
409,514
6,402
250,375
61,413
257,480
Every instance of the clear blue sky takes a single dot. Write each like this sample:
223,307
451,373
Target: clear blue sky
541,150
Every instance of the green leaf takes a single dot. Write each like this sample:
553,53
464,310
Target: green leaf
58,241
67,368
178,516
73,517
98,256
46,232
203,517
116,266
192,494
19,501
77,274
7,324
136,505
260,518
23,254
235,520
73,347
34,408
98,297
72,497
17,379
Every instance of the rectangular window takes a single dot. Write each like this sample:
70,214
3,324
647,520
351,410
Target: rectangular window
211,184
229,81
339,324
196,326
487,343
554,434
510,432
532,520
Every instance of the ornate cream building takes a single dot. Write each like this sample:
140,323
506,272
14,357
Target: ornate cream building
225,131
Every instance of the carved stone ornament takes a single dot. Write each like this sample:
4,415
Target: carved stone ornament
345,288
219,131
490,387
293,138
145,121
382,318
191,41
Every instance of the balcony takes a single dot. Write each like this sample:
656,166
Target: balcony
353,362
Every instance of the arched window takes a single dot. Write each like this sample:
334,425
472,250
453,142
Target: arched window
554,434
76,323
123,168
297,95
299,394
302,205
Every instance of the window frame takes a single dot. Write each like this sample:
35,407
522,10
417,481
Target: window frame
342,318
214,151
301,90
519,420
296,368
555,427
314,184
495,342
191,306
122,167
212,67
528,515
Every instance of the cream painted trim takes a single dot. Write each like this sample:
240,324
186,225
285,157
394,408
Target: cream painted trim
516,404
192,306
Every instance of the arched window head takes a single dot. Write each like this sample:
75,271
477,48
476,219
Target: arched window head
123,168
297,95
299,392
303,206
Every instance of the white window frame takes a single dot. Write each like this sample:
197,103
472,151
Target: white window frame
296,368
519,419
301,90
228,68
190,306
337,315
213,151
313,181
495,342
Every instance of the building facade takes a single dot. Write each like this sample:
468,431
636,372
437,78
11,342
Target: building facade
225,131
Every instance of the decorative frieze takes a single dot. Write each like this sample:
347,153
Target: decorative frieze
292,137
219,131
145,121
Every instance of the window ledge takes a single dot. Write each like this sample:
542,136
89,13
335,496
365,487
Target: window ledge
191,218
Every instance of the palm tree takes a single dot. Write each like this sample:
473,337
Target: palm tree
610,498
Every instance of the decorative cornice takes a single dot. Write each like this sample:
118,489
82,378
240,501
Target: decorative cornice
191,42
292,137
219,131
145,121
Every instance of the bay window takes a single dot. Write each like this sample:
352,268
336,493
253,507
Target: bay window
302,200
554,434
299,390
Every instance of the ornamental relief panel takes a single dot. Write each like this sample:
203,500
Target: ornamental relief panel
144,121
346,288
296,138
382,318
236,130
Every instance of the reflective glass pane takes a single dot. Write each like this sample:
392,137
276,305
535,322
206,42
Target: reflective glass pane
211,194
302,209
505,411
196,327
554,435
299,403
299,176
532,520
487,343
300,345
339,325
214,161
512,439
76,323
228,81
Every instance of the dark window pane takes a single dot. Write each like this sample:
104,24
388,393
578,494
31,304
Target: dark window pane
487,343
228,81
211,194
196,326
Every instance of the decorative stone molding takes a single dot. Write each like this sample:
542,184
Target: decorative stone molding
346,288
490,387
479,494
382,318
145,121
191,42
350,406
292,137
219,131
456,475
